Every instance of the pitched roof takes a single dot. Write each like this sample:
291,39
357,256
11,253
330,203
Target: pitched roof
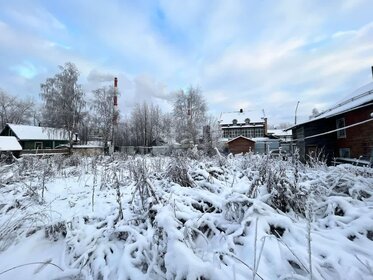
361,96
251,140
228,117
9,143
29,132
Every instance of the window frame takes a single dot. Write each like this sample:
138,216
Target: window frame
343,151
341,134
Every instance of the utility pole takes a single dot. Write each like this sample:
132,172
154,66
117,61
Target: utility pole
295,115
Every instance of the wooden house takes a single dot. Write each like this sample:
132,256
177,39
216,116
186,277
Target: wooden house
36,137
344,131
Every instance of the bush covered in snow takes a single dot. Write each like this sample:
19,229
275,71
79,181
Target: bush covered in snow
243,217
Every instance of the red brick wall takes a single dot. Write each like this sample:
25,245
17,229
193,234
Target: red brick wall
358,138
241,145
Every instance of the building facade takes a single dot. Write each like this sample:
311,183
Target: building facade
235,124
344,131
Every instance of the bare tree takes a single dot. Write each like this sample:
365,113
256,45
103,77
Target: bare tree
14,110
166,127
63,100
215,132
314,113
102,112
189,114
146,124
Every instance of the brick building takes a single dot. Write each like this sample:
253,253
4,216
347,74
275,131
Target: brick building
344,131
234,124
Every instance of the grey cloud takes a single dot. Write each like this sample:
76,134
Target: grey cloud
97,76
147,87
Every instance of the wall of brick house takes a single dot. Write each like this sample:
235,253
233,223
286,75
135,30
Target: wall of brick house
241,145
358,138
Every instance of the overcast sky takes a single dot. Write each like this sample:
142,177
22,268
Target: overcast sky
242,54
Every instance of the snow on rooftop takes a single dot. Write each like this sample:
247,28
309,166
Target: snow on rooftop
357,98
9,143
279,132
228,117
29,132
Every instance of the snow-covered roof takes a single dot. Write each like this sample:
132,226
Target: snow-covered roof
29,132
264,139
228,117
361,96
279,132
9,143
355,99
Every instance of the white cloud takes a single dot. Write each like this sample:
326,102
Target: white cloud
34,17
242,54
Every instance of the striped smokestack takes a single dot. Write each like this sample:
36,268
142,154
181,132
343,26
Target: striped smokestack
115,117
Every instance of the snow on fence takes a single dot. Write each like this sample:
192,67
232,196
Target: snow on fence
42,152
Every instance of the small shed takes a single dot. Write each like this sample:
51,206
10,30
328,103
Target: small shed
241,144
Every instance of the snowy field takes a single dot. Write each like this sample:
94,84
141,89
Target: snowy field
244,217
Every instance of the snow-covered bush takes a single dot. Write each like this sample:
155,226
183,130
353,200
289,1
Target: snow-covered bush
178,172
235,217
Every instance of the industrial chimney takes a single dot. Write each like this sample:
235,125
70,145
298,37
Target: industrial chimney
115,116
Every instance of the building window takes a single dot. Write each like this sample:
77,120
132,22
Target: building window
341,133
234,122
247,121
344,152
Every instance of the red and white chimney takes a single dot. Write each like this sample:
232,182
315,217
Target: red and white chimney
115,117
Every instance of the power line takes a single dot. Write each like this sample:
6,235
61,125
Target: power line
335,130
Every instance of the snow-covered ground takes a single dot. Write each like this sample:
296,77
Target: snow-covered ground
240,217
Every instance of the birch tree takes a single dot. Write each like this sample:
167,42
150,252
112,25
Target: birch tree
102,112
63,100
189,111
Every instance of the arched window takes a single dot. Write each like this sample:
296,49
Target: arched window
247,121
234,121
